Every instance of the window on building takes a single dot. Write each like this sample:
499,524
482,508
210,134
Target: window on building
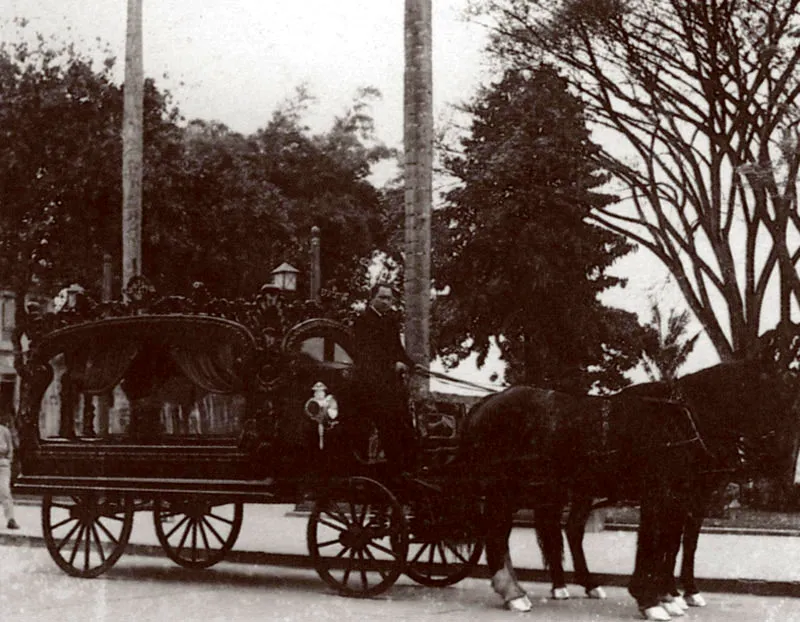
6,317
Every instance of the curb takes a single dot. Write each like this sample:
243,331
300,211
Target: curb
523,519
756,587
733,531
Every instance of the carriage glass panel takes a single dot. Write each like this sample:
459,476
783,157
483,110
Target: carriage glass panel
125,387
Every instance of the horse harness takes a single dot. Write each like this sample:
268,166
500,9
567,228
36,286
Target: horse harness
603,427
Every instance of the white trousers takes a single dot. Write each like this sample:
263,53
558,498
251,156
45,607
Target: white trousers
5,489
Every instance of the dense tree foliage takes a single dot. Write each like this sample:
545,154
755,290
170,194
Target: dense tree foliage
699,101
56,166
514,249
218,206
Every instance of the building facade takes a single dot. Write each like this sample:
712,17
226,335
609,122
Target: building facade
9,389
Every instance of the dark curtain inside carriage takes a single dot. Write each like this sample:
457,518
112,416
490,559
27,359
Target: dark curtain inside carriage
163,372
214,370
102,366
157,362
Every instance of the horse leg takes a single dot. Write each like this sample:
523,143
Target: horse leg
691,535
670,543
579,513
643,585
547,520
498,523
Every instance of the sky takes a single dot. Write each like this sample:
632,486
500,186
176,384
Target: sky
235,61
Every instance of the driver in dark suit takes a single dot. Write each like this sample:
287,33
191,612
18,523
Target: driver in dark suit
382,365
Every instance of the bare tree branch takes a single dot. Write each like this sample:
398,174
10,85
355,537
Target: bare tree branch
702,99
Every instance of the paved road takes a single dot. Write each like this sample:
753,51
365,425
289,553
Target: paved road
757,564
150,589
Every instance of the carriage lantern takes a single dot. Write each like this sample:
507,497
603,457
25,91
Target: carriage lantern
322,408
285,277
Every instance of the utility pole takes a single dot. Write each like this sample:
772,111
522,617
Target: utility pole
418,143
132,146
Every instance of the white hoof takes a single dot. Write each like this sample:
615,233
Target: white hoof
655,613
681,602
523,604
696,600
597,592
673,608
560,593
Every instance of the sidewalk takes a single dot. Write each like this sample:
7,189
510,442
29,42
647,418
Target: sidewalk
274,534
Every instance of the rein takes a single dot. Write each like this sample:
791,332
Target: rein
429,373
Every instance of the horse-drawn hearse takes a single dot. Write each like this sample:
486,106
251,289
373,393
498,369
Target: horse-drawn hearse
188,408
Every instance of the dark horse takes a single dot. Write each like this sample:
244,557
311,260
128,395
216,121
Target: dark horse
746,414
533,448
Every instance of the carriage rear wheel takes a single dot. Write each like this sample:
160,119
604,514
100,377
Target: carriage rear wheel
196,532
358,537
86,533
443,548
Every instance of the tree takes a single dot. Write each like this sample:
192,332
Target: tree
56,155
667,346
219,207
209,216
522,265
324,178
699,100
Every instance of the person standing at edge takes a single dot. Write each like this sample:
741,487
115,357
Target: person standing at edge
382,365
7,445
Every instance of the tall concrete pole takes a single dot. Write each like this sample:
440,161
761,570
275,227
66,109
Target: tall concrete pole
316,266
418,143
132,146
105,400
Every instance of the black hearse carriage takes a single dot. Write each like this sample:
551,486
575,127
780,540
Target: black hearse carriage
191,407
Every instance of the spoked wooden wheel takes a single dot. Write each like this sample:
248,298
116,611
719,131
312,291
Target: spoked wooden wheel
442,548
358,537
197,533
86,533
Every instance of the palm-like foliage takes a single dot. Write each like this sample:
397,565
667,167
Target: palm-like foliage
666,347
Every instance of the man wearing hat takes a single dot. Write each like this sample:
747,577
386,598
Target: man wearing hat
382,365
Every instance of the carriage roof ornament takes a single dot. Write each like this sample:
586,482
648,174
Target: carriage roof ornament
67,297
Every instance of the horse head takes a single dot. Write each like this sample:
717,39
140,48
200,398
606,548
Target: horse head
746,410
778,356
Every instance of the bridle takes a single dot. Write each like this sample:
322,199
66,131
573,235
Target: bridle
694,437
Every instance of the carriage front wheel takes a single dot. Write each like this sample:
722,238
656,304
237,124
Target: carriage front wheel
358,537
444,546
86,533
196,532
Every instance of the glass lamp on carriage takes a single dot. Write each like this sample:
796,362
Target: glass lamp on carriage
284,277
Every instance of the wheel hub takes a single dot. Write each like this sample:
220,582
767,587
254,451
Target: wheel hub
196,511
84,513
356,537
